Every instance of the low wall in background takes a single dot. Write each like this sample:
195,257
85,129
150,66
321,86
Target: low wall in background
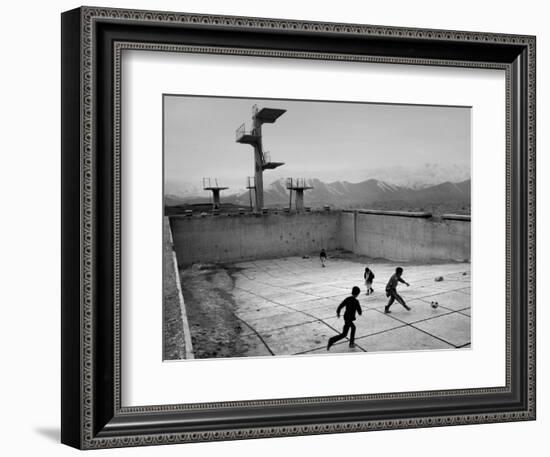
405,236
231,238
392,235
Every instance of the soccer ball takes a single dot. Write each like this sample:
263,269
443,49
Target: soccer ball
434,304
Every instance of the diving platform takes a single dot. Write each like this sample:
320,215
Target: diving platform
267,164
271,165
299,186
246,137
212,186
269,115
216,189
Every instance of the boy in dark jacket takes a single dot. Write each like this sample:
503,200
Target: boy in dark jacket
391,290
369,277
323,257
352,306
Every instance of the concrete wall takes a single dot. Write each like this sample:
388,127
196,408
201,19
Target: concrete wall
405,236
399,236
232,238
177,342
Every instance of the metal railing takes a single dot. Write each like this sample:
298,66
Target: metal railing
298,183
241,131
301,182
209,183
250,182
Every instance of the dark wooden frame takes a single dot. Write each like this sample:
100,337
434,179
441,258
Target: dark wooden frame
92,416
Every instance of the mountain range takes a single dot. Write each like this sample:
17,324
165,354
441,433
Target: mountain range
342,194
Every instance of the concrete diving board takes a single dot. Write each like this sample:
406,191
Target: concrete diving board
269,115
271,165
214,188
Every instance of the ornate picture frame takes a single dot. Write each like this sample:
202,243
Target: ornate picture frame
93,416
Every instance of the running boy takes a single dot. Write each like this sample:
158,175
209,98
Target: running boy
369,277
323,257
352,306
391,290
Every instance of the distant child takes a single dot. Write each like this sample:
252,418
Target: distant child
391,290
323,257
352,306
369,277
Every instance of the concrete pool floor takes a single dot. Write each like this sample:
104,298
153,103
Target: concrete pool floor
287,306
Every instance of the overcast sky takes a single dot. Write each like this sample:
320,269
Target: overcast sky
332,141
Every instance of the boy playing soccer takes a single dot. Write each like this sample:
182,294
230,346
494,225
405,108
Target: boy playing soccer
369,277
323,257
352,306
391,290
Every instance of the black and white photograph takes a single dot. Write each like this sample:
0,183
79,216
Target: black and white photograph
314,227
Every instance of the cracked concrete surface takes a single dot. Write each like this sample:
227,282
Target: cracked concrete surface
287,306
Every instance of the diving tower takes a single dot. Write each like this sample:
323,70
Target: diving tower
262,159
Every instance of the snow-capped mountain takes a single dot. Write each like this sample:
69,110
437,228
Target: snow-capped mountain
343,193
420,176
346,194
